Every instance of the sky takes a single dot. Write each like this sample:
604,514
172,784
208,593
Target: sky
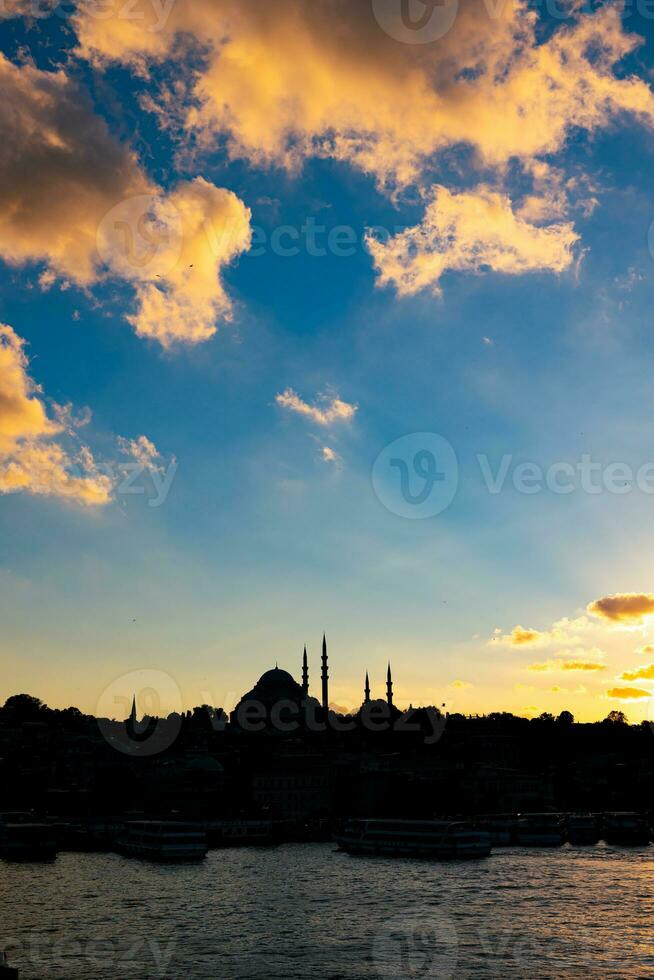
327,316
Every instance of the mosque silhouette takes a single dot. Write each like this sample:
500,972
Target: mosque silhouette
277,689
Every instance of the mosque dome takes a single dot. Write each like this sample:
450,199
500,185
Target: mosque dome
274,686
275,679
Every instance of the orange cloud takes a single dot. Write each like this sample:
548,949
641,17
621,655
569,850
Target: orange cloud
330,81
283,82
31,457
184,302
629,608
563,631
627,693
554,665
644,673
72,197
520,636
468,232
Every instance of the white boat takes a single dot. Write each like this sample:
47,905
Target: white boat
162,840
540,830
414,838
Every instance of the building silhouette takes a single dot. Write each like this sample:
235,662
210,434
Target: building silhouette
277,697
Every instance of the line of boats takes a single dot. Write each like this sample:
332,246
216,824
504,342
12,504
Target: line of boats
22,838
476,837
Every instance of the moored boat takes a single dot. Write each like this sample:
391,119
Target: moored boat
583,828
162,840
626,827
414,838
23,838
502,827
540,830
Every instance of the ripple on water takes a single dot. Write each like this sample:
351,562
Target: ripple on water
298,911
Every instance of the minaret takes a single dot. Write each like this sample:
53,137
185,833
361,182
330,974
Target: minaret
389,687
366,691
130,724
325,675
305,673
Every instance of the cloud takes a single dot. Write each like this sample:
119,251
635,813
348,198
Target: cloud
520,636
563,631
330,456
60,172
328,410
627,608
627,693
143,451
644,673
576,665
471,231
184,301
330,81
276,84
74,198
460,685
32,455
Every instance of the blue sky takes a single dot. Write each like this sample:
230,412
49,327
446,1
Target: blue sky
261,542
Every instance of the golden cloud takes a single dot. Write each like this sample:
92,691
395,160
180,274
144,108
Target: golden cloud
74,198
627,693
278,83
519,636
183,303
468,232
564,630
283,82
629,608
293,79
555,665
329,409
31,458
644,673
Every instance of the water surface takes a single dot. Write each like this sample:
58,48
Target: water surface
302,911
